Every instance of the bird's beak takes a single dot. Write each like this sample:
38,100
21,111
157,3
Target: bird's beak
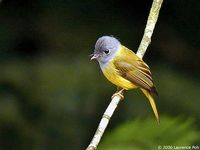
94,56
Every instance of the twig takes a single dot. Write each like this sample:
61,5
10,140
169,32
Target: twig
104,122
151,22
146,40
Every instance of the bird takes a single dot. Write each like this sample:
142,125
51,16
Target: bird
122,67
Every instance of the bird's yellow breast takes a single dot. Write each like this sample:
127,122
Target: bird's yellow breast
112,74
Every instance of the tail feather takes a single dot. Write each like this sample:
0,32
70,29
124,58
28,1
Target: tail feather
153,91
152,102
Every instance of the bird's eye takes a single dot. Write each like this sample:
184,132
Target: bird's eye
106,51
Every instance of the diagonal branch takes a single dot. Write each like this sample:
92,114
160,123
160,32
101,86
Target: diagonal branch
104,122
151,22
146,40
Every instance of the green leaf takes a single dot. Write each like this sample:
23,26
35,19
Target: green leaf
147,135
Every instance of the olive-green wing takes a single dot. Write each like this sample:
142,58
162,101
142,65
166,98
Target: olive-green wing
136,71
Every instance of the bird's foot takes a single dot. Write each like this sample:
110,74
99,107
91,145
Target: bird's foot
119,93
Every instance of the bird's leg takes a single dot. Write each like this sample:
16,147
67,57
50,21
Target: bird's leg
119,92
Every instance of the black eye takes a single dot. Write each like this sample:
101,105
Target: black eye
106,51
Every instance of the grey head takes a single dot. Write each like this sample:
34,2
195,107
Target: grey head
105,48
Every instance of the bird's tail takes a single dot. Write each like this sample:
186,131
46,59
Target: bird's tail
152,102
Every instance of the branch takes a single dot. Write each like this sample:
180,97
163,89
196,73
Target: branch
104,122
151,22
146,40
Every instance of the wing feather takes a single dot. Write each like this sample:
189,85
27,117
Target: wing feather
132,68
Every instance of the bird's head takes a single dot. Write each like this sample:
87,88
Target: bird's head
105,49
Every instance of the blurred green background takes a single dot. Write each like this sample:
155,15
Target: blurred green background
52,96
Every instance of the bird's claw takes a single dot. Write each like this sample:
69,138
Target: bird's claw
119,93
